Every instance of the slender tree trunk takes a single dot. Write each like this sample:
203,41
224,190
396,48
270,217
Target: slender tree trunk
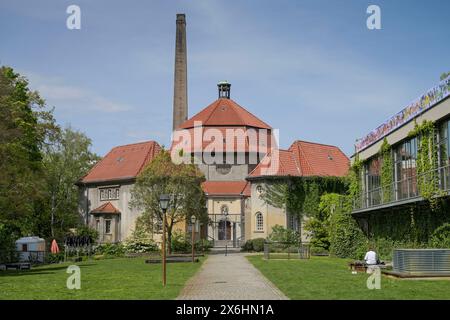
52,216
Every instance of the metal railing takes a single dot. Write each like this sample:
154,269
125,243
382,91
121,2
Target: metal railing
404,189
422,261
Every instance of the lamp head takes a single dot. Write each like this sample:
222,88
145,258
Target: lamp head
164,202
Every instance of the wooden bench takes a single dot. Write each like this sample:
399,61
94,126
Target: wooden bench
18,266
361,266
358,266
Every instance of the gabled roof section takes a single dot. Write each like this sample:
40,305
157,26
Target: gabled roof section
106,208
123,162
320,159
303,159
277,163
226,188
225,112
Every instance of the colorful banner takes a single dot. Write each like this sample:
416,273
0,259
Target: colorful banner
425,102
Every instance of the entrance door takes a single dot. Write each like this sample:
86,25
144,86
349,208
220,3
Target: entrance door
224,230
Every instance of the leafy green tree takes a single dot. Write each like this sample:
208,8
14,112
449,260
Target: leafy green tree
39,163
181,181
65,160
281,234
7,244
26,125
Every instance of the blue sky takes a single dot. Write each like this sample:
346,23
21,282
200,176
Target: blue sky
309,68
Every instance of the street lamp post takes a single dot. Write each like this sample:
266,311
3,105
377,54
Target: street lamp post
164,204
226,231
193,220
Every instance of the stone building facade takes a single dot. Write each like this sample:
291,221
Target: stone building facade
237,167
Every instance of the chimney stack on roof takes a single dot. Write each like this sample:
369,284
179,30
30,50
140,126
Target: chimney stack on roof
180,104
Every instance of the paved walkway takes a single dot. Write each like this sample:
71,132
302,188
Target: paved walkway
229,277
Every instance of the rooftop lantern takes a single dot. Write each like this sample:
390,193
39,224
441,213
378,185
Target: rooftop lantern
224,89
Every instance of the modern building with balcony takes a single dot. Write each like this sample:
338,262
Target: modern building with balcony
403,169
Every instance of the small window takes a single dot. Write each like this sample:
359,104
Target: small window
107,226
24,247
259,189
224,210
97,225
259,222
293,222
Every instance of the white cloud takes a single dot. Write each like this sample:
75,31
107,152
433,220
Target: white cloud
61,95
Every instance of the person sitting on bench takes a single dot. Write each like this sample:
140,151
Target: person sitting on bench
371,260
371,257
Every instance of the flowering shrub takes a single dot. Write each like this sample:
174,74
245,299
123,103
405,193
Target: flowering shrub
140,241
133,245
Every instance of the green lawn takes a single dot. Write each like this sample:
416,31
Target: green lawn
120,278
330,278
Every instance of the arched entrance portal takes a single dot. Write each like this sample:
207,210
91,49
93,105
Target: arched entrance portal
224,230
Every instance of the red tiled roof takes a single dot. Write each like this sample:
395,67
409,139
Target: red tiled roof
123,162
225,112
304,159
232,138
277,163
319,159
227,188
106,208
247,190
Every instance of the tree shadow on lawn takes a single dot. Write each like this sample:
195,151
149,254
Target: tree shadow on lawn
39,270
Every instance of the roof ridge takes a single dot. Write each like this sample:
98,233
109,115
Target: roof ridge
250,113
213,111
147,156
103,205
237,113
323,144
297,163
301,153
318,143
132,144
195,115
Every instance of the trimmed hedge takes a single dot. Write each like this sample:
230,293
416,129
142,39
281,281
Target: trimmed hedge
256,245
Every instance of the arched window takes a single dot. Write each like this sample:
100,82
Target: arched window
259,221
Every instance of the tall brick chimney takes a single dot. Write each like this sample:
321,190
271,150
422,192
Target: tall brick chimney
180,106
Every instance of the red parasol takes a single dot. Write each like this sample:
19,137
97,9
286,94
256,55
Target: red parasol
54,248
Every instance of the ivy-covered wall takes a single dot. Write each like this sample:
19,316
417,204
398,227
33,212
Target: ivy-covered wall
414,224
411,225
